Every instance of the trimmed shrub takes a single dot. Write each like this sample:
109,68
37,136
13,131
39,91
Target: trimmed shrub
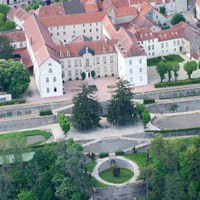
15,101
64,122
103,155
93,74
148,101
83,75
119,153
177,83
77,78
116,171
46,112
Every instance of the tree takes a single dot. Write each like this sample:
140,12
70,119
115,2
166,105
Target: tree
161,69
6,24
190,67
93,74
169,70
178,17
19,78
35,6
27,195
146,118
6,48
121,109
175,69
64,122
162,9
86,110
4,9
83,75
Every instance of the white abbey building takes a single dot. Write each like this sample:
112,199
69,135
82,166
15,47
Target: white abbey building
63,40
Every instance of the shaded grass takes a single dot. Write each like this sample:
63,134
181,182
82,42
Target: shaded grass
125,175
99,184
24,134
90,166
169,58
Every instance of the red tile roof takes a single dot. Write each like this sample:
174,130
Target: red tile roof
40,40
100,47
15,36
125,11
72,19
196,55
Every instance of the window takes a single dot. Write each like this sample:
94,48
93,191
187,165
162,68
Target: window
90,30
47,79
51,34
131,71
130,62
84,31
50,70
112,69
174,42
64,33
178,42
152,47
76,63
76,72
48,90
104,59
97,60
105,69
80,63
87,62
162,45
58,33
97,29
140,61
21,44
140,69
55,89
69,63
69,73
111,59
54,79
50,64
149,47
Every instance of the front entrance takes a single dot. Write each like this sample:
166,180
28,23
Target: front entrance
88,74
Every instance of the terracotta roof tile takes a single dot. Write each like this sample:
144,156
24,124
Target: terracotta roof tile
15,36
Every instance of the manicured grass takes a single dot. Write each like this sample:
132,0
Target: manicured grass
169,58
99,184
138,158
24,134
178,83
90,166
125,175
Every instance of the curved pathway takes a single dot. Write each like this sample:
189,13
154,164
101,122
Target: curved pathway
95,172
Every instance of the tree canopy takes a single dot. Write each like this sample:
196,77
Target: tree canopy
190,67
178,17
6,48
14,77
86,110
174,169
162,69
121,109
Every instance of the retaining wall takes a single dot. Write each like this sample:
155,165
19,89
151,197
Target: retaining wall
19,124
129,192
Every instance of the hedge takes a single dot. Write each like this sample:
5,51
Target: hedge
177,83
148,101
103,155
172,130
15,101
46,112
119,153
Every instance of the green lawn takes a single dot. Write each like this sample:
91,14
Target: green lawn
169,58
139,159
125,175
99,184
24,134
90,166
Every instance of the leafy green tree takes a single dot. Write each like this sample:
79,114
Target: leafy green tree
6,48
163,9
93,74
146,118
6,24
190,67
178,17
83,75
27,7
169,70
121,109
161,69
35,6
175,69
27,195
64,122
4,9
86,110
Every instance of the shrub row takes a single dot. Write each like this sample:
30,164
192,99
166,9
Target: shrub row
46,112
177,83
119,153
15,101
148,101
103,155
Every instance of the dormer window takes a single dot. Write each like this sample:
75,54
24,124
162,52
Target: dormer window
111,49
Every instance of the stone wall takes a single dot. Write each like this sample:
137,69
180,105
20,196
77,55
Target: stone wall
27,109
129,192
19,124
183,106
169,93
